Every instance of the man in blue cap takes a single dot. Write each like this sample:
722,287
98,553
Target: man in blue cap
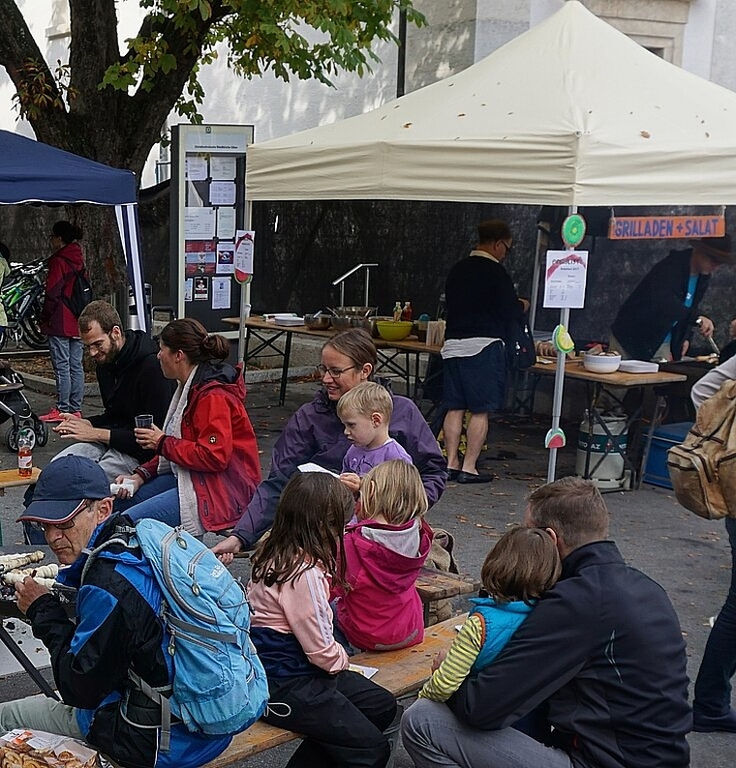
116,629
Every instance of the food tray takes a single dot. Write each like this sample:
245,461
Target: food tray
638,366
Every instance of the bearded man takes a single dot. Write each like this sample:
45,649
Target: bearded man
131,383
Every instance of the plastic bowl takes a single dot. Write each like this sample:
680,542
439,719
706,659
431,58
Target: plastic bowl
394,330
606,363
373,319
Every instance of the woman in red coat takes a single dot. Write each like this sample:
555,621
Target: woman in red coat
207,466
59,322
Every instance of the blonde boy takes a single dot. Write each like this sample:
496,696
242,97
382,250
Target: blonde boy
365,412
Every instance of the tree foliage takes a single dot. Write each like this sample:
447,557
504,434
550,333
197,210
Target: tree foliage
109,104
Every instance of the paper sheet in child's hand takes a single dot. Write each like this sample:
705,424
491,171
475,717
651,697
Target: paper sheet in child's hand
310,466
365,671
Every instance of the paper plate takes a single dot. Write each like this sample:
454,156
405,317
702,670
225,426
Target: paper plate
638,366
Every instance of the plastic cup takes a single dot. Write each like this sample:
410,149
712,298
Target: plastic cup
144,421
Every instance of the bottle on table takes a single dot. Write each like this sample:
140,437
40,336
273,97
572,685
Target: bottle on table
406,312
26,441
397,311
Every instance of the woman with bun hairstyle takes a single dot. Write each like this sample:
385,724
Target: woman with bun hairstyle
207,466
59,323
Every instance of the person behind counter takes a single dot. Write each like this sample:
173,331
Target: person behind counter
316,434
657,319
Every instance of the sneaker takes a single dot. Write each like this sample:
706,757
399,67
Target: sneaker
53,415
77,414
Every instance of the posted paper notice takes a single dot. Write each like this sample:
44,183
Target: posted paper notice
564,279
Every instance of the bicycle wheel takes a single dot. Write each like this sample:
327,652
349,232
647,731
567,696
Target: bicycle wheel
31,327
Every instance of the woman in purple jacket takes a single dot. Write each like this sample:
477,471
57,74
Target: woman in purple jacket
315,434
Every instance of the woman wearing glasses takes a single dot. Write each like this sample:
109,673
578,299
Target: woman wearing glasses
315,434
206,467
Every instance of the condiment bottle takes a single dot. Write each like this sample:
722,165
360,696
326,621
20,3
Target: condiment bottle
406,313
397,311
26,441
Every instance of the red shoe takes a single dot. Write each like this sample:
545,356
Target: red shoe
76,414
53,415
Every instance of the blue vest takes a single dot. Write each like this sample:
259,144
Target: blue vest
501,620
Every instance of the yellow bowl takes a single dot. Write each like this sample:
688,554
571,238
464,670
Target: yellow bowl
394,330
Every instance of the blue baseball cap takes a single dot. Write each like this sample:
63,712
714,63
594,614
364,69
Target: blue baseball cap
63,487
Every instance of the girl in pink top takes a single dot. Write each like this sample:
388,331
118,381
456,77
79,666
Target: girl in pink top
378,607
341,714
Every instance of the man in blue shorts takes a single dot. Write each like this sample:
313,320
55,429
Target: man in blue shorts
481,306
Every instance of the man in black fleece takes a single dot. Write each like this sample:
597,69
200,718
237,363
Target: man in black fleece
601,655
131,383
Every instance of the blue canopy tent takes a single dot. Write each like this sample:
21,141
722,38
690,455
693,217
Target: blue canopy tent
33,172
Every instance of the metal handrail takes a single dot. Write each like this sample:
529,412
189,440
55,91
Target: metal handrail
341,281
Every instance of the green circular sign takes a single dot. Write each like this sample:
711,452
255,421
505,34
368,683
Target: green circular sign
573,230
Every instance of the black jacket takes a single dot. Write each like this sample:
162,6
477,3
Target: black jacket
604,648
132,384
481,300
656,307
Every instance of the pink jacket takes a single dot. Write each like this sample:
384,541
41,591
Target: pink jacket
300,608
382,609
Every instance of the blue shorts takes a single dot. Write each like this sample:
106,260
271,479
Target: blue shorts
476,384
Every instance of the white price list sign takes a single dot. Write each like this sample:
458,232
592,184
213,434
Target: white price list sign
564,279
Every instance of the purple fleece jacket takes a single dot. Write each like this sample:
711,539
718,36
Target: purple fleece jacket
315,433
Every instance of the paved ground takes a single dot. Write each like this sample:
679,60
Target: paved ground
689,557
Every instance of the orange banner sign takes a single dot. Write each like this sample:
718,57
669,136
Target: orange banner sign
661,227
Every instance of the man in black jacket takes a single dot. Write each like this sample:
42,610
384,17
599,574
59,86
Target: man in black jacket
131,383
602,651
657,319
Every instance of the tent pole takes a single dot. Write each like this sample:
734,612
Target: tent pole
557,399
244,297
559,380
535,277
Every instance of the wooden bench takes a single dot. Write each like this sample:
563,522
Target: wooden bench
433,585
402,672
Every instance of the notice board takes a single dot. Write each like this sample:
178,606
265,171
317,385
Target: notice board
207,208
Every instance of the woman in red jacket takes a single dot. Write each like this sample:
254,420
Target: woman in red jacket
59,322
207,466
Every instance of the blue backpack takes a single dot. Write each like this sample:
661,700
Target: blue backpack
219,687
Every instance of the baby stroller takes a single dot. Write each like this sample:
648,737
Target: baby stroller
13,405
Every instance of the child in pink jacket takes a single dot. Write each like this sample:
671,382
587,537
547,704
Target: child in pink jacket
341,714
378,607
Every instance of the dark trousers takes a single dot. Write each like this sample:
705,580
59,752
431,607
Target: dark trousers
342,719
713,684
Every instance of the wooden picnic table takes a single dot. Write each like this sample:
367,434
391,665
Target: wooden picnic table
398,357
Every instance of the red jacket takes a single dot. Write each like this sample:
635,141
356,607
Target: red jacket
56,318
217,446
381,609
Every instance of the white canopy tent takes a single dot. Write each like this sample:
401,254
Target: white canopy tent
570,113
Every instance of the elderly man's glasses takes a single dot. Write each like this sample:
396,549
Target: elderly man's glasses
334,373
66,526
507,246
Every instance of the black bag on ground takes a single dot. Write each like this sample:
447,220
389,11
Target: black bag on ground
81,294
520,351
